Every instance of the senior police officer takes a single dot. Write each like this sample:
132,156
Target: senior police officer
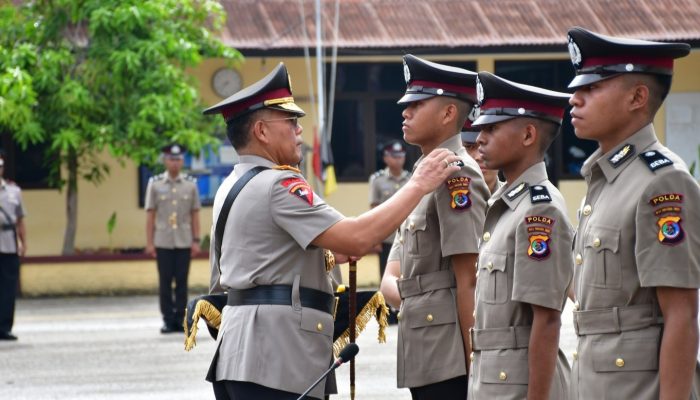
13,245
468,136
430,273
276,333
637,245
172,234
525,263
383,184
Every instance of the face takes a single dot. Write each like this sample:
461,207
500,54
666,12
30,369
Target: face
284,133
499,144
394,162
173,164
420,119
598,109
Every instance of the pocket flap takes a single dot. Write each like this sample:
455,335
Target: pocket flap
627,354
600,238
506,370
492,262
431,315
316,321
416,222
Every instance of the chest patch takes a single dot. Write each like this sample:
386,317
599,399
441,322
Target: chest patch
539,194
670,230
621,155
459,193
655,160
299,188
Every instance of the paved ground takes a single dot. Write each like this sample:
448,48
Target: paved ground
108,348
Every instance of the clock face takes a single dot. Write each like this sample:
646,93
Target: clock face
225,82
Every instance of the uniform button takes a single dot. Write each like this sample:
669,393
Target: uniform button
471,357
401,277
319,327
429,318
474,313
577,305
489,266
587,209
575,355
620,363
579,259
401,239
412,225
502,376
174,190
398,316
596,242
487,236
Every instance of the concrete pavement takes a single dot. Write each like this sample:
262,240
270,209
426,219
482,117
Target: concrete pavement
109,348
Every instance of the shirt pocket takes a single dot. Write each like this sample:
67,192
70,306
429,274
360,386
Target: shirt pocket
316,322
493,278
504,369
602,246
416,238
631,351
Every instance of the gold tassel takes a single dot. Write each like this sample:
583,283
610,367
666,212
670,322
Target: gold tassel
377,302
211,315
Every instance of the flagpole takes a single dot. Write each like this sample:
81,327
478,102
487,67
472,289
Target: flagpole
352,307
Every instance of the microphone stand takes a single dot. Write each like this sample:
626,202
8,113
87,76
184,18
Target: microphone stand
334,366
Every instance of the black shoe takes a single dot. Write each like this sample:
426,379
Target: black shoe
170,328
7,336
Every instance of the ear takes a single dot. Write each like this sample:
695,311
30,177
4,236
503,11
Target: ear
260,132
530,135
639,97
449,114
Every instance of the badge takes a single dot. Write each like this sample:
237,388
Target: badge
479,92
666,198
539,194
517,191
474,113
298,187
406,72
459,192
575,53
655,160
670,230
539,219
621,155
539,246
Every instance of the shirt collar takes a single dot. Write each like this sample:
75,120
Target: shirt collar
616,160
514,193
255,160
453,143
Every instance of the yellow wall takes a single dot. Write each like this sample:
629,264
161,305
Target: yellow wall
46,208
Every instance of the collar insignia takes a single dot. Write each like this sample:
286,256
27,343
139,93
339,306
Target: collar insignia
621,155
517,191
655,160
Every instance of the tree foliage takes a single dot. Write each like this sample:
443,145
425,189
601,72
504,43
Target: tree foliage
89,76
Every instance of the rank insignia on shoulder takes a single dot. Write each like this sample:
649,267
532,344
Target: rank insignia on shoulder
459,193
539,194
655,160
621,155
517,191
299,188
670,230
287,168
539,246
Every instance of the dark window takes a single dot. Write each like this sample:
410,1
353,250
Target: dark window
29,167
366,116
567,154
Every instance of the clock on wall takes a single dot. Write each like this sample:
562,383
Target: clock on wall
226,81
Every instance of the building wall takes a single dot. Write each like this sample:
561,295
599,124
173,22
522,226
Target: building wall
46,208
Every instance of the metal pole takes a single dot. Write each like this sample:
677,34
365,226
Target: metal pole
352,306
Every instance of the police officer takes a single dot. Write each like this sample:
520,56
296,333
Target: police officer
637,246
468,136
276,332
430,273
13,245
525,264
172,233
383,184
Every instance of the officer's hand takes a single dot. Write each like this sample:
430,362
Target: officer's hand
342,258
434,169
150,250
22,248
195,249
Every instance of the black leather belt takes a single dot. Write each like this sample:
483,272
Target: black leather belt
282,295
7,227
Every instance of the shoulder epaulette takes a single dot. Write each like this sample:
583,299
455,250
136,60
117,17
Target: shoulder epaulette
655,160
191,178
379,173
539,194
158,177
287,168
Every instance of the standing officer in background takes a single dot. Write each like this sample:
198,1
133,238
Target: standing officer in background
383,184
468,136
13,245
172,233
276,332
525,264
430,273
637,248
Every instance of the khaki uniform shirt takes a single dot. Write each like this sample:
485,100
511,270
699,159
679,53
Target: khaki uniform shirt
382,185
11,203
638,229
524,259
446,222
173,201
267,241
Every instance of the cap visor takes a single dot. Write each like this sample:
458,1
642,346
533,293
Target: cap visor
490,119
587,79
288,107
469,136
411,97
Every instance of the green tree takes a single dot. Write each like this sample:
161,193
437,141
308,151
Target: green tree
88,77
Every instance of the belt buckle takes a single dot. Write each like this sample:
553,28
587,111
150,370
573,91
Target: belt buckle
336,300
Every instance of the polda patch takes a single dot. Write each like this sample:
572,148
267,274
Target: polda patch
539,247
666,198
299,188
670,230
459,193
539,219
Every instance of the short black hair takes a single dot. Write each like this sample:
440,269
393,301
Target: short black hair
547,130
238,130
